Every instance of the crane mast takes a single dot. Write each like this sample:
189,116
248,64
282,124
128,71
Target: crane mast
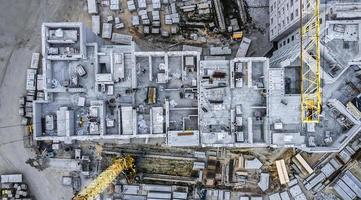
99,184
311,94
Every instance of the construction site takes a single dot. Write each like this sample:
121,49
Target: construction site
183,99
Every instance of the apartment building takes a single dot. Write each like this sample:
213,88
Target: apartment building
284,18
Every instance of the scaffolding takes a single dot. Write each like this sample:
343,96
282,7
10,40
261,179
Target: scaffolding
311,94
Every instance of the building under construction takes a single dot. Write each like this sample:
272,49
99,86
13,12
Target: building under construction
94,106
94,91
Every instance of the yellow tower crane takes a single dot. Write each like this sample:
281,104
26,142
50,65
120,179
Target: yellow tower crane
99,184
311,91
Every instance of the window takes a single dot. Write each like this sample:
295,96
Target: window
288,40
284,42
296,12
271,20
291,16
291,2
293,37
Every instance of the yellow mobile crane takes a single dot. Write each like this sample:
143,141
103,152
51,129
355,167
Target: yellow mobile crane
99,184
311,92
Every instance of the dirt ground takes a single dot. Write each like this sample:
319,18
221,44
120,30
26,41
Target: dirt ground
167,167
258,31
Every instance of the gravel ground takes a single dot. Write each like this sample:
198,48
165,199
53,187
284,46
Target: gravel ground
20,22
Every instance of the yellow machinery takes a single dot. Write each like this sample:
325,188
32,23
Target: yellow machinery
237,35
311,97
30,129
98,185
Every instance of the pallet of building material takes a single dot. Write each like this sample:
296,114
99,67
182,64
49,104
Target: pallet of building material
119,26
39,82
24,121
216,51
35,61
142,12
164,33
156,4
155,30
204,11
175,18
142,4
31,79
29,98
96,24
146,30
114,5
107,30
29,104
131,5
243,47
234,24
156,23
205,5
189,8
11,178
21,101
21,111
121,38
167,19
40,96
29,112
92,7
145,21
156,15
135,21
174,29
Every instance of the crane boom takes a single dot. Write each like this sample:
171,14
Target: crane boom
99,184
311,97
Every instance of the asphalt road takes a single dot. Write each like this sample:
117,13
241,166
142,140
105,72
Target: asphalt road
20,25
